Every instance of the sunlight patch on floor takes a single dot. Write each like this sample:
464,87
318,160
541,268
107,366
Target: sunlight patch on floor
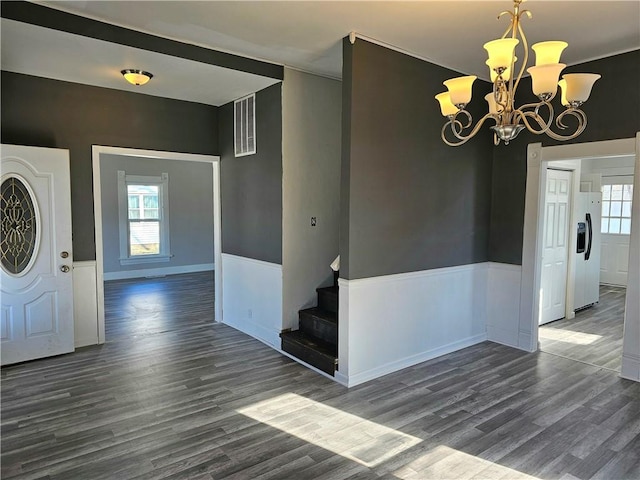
350,436
446,462
569,336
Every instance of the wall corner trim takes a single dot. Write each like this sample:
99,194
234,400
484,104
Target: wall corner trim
85,303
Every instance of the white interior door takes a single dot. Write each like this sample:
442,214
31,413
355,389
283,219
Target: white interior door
36,257
555,250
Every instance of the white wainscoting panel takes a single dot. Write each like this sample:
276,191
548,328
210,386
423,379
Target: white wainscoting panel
252,297
158,272
392,322
85,303
503,303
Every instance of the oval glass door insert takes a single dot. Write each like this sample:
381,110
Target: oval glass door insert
19,228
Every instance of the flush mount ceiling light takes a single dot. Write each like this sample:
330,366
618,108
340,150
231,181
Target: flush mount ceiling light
136,77
537,117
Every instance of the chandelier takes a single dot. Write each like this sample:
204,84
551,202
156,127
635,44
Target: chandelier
537,117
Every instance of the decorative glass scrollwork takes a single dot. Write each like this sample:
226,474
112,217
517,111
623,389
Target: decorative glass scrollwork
18,226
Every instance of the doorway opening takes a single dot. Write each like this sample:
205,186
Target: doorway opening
152,270
538,161
591,329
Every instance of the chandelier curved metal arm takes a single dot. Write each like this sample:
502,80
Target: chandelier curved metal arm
456,127
538,118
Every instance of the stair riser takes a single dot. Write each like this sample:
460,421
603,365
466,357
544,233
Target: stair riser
328,301
309,356
319,328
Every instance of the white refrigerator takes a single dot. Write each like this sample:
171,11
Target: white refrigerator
587,284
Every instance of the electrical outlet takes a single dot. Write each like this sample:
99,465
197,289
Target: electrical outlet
313,221
250,313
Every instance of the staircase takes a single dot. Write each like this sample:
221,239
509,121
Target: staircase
316,341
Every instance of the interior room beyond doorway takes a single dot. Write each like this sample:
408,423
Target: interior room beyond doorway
147,306
595,335
194,226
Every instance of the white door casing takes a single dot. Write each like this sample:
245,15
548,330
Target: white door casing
555,245
538,158
97,152
37,297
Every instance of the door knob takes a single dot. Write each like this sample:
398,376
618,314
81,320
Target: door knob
64,268
64,254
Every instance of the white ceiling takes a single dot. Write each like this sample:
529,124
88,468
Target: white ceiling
305,35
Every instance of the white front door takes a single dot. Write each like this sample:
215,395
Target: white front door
36,257
555,250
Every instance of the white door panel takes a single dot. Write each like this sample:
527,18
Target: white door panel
555,252
37,288
615,259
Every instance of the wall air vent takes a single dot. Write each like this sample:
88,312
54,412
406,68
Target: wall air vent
244,125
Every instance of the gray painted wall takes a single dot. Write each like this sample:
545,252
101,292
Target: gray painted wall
408,201
251,186
190,209
613,111
311,147
50,113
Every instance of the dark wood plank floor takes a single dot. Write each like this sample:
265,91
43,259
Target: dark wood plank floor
594,336
204,401
144,306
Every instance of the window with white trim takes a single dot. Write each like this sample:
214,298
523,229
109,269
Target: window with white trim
244,125
616,208
143,206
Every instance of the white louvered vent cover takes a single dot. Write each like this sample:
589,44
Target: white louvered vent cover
244,130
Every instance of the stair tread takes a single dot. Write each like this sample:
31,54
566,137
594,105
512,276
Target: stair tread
310,342
321,313
331,289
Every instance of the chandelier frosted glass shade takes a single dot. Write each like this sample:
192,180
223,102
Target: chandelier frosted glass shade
493,71
460,89
538,118
544,78
446,107
548,53
501,52
579,86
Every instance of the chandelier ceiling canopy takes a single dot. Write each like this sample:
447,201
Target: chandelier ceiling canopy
509,121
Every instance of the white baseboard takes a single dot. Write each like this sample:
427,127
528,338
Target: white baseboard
525,342
85,303
630,367
341,379
502,336
252,297
157,272
362,377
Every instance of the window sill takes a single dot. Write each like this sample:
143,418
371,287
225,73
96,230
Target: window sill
145,259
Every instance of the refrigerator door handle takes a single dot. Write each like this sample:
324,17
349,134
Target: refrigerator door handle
590,229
